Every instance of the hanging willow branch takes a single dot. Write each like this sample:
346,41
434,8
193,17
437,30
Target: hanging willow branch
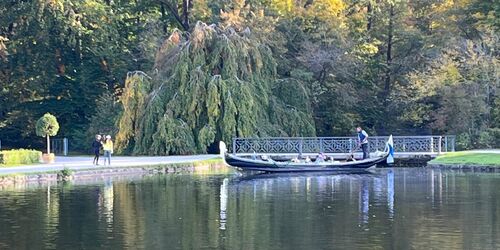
216,85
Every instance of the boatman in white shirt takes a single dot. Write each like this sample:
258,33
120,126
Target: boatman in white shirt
363,142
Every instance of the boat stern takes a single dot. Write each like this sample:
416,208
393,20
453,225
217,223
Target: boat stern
223,151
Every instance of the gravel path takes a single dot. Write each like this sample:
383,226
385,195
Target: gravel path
85,162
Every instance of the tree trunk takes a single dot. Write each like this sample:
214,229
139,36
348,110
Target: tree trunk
173,9
308,3
48,145
369,13
388,72
163,17
60,67
185,13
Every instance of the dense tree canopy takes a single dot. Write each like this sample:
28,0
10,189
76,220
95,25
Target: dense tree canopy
314,67
215,85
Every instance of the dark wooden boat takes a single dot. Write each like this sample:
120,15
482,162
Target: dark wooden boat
269,165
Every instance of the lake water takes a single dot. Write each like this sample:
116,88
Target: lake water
386,209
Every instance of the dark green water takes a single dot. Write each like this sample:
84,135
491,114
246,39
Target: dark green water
388,209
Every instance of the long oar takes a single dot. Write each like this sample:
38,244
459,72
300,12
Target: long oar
351,152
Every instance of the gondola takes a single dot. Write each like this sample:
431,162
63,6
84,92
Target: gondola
269,165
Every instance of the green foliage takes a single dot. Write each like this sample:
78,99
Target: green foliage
65,174
463,142
459,92
102,122
60,56
273,67
47,125
20,157
489,138
214,86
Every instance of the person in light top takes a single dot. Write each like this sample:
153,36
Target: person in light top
108,149
320,157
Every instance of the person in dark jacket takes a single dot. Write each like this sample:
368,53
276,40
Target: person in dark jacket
363,142
96,147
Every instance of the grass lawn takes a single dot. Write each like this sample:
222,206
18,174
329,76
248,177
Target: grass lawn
465,157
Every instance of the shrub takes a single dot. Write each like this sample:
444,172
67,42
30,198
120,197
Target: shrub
495,137
47,126
463,141
65,174
489,138
484,140
20,156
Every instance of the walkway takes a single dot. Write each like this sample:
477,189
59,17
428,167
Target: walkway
486,151
85,162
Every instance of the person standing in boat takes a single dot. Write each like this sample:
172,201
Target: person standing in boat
363,142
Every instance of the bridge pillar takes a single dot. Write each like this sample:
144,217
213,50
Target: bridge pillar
301,142
65,146
439,144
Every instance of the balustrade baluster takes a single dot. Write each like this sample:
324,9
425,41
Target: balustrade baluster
439,144
408,144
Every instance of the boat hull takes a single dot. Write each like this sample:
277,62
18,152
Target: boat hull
287,167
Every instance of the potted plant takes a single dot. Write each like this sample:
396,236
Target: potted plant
47,126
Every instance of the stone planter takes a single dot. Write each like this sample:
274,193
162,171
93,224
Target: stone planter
48,158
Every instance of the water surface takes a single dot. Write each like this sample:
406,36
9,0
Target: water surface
386,209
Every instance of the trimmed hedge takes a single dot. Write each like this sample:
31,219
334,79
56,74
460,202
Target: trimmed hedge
20,156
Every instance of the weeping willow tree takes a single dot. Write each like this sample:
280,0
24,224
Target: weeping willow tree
214,85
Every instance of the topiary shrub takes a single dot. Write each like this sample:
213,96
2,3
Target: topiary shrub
20,156
47,126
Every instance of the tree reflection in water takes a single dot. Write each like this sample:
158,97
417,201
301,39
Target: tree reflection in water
388,209
223,203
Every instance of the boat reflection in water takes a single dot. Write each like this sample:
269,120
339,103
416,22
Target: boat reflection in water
364,202
223,203
390,193
366,188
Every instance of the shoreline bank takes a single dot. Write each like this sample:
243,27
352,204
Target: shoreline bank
85,162
107,173
472,167
483,160
71,168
